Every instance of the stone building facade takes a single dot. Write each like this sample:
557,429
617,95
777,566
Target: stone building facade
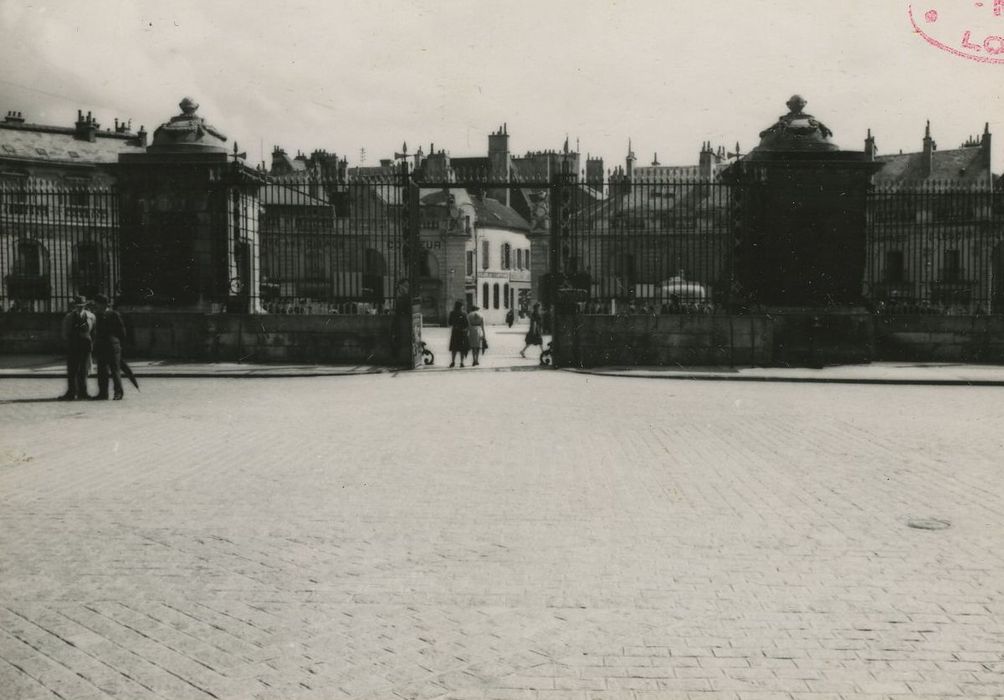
934,220
663,230
58,217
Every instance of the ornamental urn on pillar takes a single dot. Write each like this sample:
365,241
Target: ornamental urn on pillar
189,221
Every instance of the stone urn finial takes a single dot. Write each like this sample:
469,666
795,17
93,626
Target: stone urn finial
796,103
796,131
187,132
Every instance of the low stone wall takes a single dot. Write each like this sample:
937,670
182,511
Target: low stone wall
915,338
802,338
798,339
375,340
592,341
30,334
811,338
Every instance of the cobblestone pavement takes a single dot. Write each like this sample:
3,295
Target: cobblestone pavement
499,535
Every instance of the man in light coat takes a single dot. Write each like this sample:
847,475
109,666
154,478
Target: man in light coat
78,334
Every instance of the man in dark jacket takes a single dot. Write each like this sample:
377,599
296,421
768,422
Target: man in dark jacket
78,330
109,335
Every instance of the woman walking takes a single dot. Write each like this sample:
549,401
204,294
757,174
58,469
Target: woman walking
458,334
533,336
476,334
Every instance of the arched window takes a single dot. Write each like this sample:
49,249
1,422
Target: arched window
484,295
29,259
505,296
495,295
28,282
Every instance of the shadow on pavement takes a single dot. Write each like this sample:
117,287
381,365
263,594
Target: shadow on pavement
36,400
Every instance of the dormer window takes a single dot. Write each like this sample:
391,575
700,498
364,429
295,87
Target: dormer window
8,148
42,152
73,154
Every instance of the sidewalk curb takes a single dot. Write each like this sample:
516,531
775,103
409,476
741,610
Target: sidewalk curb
210,375
792,380
689,376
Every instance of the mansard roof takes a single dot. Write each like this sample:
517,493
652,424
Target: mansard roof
292,194
962,166
493,214
41,143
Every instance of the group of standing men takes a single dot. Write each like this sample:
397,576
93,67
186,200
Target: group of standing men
100,333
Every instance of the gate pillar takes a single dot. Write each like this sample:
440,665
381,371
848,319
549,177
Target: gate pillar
409,300
560,295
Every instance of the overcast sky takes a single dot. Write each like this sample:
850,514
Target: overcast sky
345,75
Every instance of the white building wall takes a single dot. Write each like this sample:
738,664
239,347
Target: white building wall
496,284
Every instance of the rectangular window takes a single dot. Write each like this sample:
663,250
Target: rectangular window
894,266
342,204
314,259
87,260
952,270
519,258
470,263
77,194
485,254
951,206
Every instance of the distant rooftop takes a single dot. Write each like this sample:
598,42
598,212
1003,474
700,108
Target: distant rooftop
84,143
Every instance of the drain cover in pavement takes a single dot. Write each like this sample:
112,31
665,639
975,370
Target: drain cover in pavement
928,524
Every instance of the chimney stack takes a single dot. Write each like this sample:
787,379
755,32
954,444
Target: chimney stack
871,151
86,128
927,164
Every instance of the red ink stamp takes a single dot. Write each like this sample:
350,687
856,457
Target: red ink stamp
973,30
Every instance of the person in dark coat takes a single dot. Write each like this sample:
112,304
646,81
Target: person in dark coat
459,343
109,335
533,335
78,332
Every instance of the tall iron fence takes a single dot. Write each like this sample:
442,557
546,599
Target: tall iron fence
652,245
648,245
328,247
56,242
667,245
318,247
935,248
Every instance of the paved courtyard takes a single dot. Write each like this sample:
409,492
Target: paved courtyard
500,534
